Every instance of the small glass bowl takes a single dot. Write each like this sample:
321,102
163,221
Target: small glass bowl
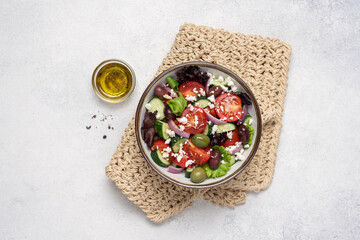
107,97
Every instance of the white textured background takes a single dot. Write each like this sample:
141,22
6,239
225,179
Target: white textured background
52,178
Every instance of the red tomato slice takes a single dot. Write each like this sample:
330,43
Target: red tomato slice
210,110
196,119
182,162
231,142
199,155
187,89
160,144
228,107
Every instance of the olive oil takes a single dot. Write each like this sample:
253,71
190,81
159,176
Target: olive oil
114,80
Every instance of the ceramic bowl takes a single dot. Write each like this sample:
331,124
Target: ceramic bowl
180,179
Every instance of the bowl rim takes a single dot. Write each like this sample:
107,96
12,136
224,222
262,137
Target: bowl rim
236,78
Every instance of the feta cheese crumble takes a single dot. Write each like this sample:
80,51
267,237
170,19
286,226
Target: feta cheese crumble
211,98
214,128
189,162
170,132
229,134
148,106
230,83
239,156
211,105
196,122
157,115
190,98
167,96
191,107
173,93
182,120
181,127
167,141
225,89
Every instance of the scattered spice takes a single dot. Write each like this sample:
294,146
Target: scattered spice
103,119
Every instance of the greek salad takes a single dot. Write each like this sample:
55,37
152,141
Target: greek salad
198,123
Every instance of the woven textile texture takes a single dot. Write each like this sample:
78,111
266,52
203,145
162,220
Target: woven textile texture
263,64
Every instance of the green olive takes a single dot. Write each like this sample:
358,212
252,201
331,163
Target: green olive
201,140
198,175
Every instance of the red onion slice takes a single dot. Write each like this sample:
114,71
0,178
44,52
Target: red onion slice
214,120
243,116
173,127
175,170
237,149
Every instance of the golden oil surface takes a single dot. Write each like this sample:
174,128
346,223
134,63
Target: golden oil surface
114,79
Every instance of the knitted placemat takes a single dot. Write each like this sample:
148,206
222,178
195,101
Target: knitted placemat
263,64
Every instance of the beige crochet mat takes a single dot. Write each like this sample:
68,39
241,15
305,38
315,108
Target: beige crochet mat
263,64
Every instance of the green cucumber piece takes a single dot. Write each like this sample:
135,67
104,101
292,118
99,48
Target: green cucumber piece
225,127
159,159
175,139
157,105
176,146
232,159
203,103
160,129
207,130
247,119
217,82
188,172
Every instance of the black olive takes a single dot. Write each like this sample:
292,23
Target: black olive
215,90
149,119
244,134
168,113
215,159
160,92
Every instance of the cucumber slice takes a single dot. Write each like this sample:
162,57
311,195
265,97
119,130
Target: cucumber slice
232,159
175,139
157,105
225,127
159,159
160,129
218,82
203,103
176,146
207,130
188,172
247,120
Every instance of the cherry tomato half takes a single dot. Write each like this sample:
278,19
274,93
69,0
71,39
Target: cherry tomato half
228,107
187,89
160,144
199,155
210,110
196,119
231,142
182,162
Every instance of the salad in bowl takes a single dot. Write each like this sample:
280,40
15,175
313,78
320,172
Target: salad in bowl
198,124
